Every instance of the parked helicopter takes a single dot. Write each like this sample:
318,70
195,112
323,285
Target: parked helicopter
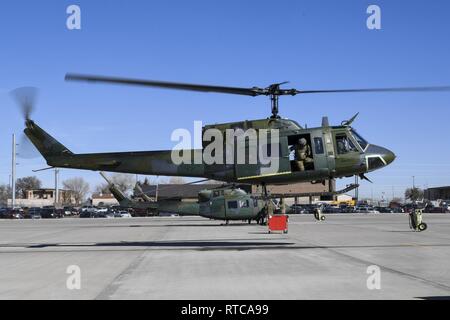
336,151
220,203
225,203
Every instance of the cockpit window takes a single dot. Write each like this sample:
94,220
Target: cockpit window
344,144
361,141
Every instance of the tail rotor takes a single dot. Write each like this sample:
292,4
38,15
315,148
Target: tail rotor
26,98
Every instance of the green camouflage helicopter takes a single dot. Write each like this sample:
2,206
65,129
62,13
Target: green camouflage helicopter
334,151
225,203
219,203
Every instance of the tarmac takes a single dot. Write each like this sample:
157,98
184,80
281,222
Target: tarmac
197,258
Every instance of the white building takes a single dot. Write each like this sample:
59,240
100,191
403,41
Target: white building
103,199
43,197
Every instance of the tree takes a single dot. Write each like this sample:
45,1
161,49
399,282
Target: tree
78,188
102,188
397,200
413,194
125,182
5,194
27,183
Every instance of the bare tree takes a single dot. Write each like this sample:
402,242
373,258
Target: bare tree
102,188
125,182
78,188
5,194
27,183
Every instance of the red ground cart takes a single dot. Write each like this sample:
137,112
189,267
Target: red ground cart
278,222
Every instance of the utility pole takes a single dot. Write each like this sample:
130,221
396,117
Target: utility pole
56,187
372,194
414,184
13,172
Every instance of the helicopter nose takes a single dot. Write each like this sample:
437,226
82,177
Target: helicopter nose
388,156
378,157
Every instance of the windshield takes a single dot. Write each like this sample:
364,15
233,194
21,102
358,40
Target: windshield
361,141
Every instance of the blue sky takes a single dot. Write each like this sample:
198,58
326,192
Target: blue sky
312,44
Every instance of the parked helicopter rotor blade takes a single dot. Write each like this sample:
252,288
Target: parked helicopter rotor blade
167,85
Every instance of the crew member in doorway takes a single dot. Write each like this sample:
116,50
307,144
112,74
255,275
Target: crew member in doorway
302,154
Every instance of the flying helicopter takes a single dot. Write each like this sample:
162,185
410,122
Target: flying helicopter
335,151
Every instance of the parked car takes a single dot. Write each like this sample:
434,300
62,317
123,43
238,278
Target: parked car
297,209
70,211
438,210
366,210
86,214
331,209
348,209
3,213
104,214
51,213
124,214
384,209
33,213
17,214
89,209
9,213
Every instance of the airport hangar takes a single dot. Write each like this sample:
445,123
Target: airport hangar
437,193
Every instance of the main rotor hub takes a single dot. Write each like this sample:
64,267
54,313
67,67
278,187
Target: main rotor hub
274,92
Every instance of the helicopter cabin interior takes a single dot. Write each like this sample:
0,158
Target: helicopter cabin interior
309,162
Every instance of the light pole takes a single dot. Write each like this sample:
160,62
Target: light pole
13,172
56,187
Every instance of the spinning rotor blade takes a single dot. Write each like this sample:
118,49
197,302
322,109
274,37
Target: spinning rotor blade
167,85
403,89
26,99
274,90
254,91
